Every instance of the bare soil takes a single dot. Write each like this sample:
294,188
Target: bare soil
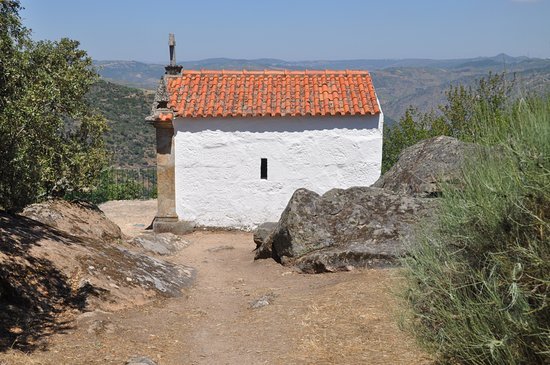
338,318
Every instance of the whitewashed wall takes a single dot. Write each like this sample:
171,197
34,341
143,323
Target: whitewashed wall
218,163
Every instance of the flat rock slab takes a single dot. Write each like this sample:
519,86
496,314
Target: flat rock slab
350,256
148,272
160,243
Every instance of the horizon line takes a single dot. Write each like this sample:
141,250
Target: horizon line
323,60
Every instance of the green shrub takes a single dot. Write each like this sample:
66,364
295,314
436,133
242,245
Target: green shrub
477,280
120,184
412,128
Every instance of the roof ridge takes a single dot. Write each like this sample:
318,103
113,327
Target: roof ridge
271,72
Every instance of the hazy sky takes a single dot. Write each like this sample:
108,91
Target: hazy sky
295,29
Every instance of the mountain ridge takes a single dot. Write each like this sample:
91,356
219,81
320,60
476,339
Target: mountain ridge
398,82
373,64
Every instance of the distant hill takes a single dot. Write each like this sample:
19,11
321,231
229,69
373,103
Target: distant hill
146,75
130,139
399,84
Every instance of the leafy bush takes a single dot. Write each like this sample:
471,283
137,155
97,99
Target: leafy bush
478,280
51,140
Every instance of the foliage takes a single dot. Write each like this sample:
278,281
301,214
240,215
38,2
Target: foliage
51,140
130,141
463,105
477,280
455,117
411,128
121,184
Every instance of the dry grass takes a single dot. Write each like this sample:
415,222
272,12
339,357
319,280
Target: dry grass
354,324
13,357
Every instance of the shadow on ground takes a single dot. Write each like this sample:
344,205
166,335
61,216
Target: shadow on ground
32,290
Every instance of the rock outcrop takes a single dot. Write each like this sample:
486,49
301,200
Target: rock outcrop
356,227
80,219
422,168
82,239
46,269
364,226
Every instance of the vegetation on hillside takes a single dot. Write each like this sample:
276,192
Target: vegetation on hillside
478,279
454,118
130,141
51,140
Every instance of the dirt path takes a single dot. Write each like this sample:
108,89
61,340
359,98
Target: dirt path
342,318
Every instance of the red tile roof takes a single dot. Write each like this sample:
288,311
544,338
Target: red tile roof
270,93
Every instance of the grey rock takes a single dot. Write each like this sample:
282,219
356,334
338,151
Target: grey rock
356,227
148,272
422,168
160,243
263,231
263,301
140,360
96,322
221,248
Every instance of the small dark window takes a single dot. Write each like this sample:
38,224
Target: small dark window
263,169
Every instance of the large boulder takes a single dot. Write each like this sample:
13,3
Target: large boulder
422,168
356,227
79,219
364,226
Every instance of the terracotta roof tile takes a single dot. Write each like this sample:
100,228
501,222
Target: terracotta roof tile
212,93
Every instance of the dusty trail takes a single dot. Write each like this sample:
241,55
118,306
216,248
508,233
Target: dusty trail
342,318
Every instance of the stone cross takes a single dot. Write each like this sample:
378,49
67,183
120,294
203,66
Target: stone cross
172,68
172,45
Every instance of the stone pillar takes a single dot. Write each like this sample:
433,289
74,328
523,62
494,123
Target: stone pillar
166,218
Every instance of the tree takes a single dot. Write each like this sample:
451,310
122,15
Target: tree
464,104
454,118
51,140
